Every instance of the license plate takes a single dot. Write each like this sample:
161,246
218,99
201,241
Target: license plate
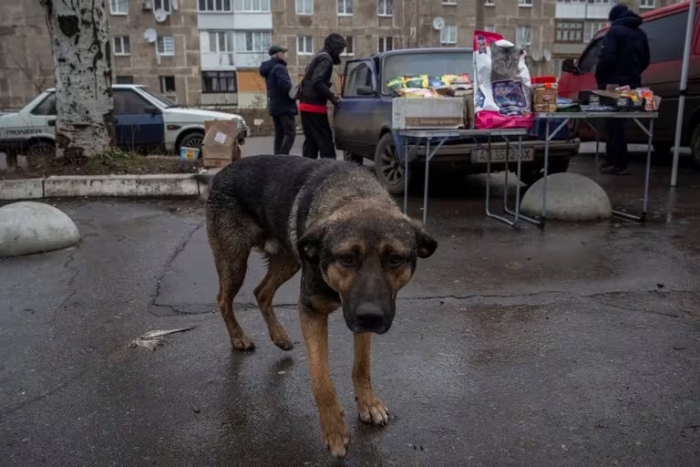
480,156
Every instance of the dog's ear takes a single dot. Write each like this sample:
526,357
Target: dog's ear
425,243
310,244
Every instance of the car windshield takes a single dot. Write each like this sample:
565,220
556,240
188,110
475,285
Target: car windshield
162,100
431,63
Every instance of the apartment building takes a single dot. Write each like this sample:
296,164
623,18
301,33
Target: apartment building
577,21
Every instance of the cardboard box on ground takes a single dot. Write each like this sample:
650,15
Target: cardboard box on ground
220,145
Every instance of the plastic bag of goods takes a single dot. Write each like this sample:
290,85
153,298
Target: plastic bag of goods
502,88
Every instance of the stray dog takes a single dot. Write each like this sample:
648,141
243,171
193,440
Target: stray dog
354,246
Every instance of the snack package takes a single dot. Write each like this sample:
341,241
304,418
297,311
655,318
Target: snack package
414,82
501,83
396,83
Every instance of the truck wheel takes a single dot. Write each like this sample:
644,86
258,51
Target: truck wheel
558,165
695,145
389,171
192,140
350,157
42,149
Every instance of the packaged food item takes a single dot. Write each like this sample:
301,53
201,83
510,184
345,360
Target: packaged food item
545,90
414,82
501,83
396,83
416,92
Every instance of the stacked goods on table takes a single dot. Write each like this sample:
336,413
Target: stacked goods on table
503,89
622,98
220,144
544,89
450,104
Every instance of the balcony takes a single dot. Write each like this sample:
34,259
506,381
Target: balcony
583,10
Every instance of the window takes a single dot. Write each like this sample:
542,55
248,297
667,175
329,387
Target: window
253,41
305,45
350,48
119,7
524,2
385,44
218,82
344,7
305,7
215,5
385,7
416,62
589,59
252,6
448,34
592,27
489,2
666,37
167,84
647,3
162,5
121,45
569,32
47,107
491,28
220,41
359,75
124,79
449,2
166,46
127,102
522,36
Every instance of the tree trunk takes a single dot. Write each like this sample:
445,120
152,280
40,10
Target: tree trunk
82,64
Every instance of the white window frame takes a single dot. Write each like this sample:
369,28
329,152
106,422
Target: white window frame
489,2
305,40
264,42
490,28
304,7
166,46
161,81
165,5
251,6
385,8
215,35
122,42
518,30
343,7
449,2
349,40
214,8
525,3
381,43
648,4
118,7
445,34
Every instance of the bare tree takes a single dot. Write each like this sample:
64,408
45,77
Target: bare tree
82,64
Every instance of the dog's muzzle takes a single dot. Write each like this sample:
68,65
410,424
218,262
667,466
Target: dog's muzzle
369,317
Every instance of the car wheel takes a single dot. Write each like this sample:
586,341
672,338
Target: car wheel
558,165
350,157
42,149
389,171
695,145
192,140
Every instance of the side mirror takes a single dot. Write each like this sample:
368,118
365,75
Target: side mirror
365,91
569,66
152,110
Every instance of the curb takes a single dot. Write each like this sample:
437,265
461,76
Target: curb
66,186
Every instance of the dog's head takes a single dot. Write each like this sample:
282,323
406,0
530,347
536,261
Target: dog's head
367,256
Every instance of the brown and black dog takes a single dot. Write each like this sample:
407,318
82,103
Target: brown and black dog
354,246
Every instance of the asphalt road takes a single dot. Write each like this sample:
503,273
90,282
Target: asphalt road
576,346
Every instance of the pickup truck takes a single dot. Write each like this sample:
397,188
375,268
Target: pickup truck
362,125
145,120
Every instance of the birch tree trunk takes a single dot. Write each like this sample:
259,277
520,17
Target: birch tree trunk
82,67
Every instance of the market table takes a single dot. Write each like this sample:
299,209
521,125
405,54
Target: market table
586,118
440,136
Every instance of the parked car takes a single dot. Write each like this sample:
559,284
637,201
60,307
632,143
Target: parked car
665,28
362,125
145,120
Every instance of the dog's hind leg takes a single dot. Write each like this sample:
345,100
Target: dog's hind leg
281,268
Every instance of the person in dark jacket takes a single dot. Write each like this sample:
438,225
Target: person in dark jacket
314,95
623,59
283,108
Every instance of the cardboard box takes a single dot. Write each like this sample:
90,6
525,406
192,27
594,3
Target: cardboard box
430,112
220,145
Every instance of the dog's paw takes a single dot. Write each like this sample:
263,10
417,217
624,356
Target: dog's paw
243,343
373,411
335,433
281,339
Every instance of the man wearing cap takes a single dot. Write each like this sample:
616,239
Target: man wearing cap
623,58
282,108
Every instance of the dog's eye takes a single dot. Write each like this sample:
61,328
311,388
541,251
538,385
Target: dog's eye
395,260
347,260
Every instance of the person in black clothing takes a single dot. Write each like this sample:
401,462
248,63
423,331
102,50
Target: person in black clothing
283,109
623,58
314,95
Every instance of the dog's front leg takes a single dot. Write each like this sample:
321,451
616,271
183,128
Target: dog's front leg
371,409
334,431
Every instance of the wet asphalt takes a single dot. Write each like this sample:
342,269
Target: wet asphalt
578,345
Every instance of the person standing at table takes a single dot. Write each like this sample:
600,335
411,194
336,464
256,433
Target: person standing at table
282,108
623,59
